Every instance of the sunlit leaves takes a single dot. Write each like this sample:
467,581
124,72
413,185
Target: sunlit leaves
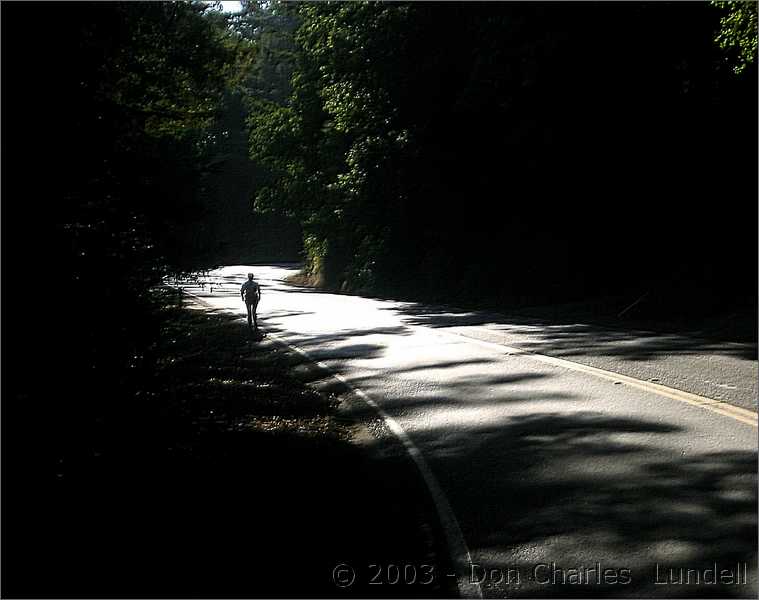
738,32
331,145
174,67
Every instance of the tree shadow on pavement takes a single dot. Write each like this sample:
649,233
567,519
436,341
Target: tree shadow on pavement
575,338
580,489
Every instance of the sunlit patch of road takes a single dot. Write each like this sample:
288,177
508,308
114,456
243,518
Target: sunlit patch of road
539,463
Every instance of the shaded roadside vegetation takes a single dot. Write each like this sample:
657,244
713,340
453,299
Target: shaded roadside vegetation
519,153
118,127
121,164
223,476
106,110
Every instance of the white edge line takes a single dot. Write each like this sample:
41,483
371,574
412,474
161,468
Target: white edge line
457,547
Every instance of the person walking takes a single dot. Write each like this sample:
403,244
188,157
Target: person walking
251,295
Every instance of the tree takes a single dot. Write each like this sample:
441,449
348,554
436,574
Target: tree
738,32
497,141
105,139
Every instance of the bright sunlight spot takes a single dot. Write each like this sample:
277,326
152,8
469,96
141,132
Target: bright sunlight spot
231,7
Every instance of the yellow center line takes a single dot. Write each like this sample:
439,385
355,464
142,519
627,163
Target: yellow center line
716,406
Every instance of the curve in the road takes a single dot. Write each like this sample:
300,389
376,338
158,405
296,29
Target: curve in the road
494,544
457,547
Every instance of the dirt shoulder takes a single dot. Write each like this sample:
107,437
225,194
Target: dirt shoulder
246,481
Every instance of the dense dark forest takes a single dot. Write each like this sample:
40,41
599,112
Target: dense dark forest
119,119
501,153
519,152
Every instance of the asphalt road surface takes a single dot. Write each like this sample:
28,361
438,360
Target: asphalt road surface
566,461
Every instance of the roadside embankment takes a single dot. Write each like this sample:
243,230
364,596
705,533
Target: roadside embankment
242,481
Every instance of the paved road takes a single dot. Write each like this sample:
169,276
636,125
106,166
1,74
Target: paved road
550,476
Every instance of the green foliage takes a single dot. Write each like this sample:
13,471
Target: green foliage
173,80
330,145
111,107
158,74
738,31
414,139
166,64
